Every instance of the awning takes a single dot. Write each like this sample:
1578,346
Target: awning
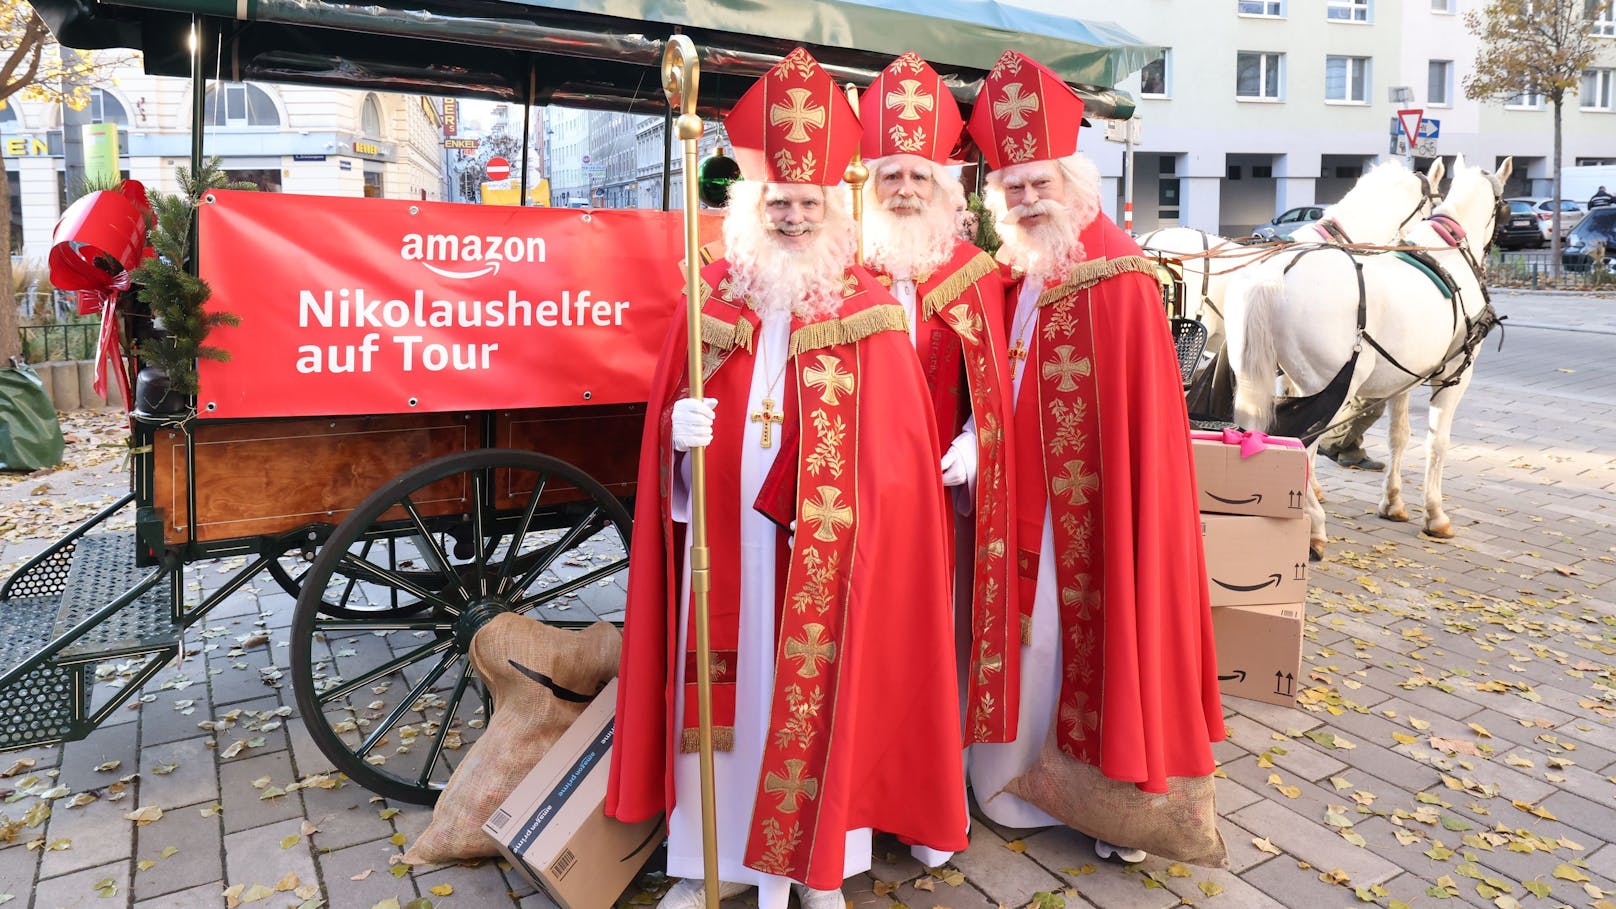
603,53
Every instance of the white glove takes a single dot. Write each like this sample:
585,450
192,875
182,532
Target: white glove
693,423
959,461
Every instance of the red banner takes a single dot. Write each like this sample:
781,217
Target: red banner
369,306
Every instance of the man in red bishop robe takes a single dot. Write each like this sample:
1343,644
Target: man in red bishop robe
835,702
1120,666
953,298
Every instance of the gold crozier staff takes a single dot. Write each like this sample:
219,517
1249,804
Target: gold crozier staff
680,74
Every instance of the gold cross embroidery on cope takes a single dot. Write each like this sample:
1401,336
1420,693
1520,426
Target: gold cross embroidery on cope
791,786
812,649
829,377
827,514
1075,482
768,417
1066,368
798,115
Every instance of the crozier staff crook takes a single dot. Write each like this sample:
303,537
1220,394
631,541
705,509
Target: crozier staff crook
680,74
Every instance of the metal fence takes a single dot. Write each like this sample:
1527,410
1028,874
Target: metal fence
1534,269
66,341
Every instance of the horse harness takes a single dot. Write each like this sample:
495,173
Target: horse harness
1465,343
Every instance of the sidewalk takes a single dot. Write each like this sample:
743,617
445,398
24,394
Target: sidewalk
1454,746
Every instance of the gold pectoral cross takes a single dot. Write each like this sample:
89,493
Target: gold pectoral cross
1018,352
767,417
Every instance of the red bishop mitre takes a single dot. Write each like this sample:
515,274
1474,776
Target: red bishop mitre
908,110
1024,113
794,125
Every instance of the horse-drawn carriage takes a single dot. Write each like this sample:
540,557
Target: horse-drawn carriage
432,412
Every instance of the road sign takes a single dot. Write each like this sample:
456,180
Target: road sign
1430,129
1425,148
498,169
1409,120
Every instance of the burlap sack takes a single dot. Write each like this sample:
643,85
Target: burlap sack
528,718
1180,824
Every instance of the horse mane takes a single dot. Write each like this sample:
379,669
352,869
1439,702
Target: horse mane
1385,192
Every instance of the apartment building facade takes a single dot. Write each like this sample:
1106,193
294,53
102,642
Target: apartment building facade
1263,105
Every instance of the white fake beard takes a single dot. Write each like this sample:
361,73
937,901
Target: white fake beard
906,246
804,282
1048,249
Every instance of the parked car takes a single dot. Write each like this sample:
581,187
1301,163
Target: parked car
1598,227
1291,220
1571,214
1519,230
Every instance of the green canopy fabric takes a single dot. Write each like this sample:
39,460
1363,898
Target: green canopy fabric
602,52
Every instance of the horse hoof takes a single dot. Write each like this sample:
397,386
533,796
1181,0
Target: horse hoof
1444,531
1315,551
1394,514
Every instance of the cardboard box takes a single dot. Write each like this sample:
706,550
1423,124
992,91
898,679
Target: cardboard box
1270,483
1260,651
553,828
1253,561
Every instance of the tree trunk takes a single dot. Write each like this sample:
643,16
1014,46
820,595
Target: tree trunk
1554,222
10,341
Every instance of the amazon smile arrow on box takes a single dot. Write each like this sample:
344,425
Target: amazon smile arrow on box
1249,473
1254,561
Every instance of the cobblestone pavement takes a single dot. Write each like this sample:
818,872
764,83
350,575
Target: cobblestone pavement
1454,746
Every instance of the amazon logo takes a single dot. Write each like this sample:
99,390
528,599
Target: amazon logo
466,256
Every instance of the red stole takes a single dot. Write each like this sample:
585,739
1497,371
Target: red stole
959,333
1103,442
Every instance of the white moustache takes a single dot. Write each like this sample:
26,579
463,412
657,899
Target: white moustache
794,230
904,203
1033,209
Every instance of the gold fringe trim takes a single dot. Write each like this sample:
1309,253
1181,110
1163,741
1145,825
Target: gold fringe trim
1095,271
723,739
1026,631
957,283
854,328
715,332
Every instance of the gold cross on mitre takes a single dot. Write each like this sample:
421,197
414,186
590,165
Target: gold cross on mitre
798,115
768,417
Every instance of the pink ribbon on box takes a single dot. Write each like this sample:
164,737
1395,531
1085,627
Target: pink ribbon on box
97,242
1250,442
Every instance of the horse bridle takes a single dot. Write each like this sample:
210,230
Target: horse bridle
1428,196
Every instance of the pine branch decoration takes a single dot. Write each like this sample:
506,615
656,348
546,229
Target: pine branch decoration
176,296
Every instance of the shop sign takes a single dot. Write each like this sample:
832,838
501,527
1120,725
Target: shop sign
26,147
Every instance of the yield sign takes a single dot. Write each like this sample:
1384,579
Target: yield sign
1409,120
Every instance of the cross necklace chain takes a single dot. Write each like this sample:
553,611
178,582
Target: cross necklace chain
1021,336
768,416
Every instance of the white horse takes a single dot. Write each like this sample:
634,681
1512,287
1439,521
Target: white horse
1322,314
1376,211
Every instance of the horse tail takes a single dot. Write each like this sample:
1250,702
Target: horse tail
1252,302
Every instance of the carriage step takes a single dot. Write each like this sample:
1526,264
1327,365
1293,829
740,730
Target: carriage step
44,704
104,569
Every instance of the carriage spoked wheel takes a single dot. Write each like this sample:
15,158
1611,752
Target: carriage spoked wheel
346,599
386,686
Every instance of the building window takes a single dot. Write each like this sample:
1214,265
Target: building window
1275,8
241,105
8,117
1155,80
15,176
1603,18
1596,89
1442,6
370,118
1439,83
1346,79
1257,76
1528,99
104,108
1348,10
